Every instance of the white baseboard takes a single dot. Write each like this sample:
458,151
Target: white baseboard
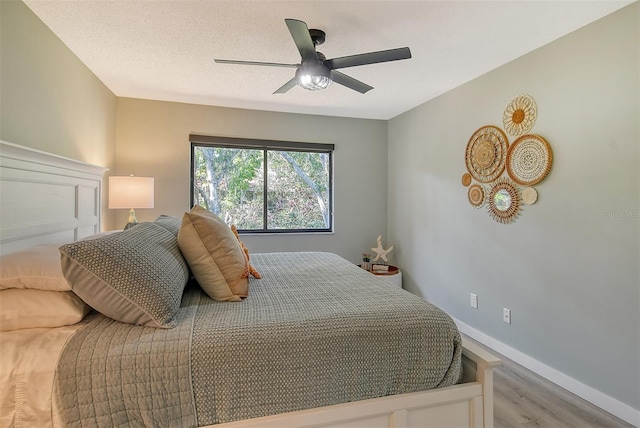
605,402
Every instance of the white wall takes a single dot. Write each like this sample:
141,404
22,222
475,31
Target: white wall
153,140
568,266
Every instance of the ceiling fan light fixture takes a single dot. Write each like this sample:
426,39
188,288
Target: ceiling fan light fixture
314,83
313,77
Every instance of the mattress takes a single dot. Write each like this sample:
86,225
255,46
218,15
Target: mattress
315,330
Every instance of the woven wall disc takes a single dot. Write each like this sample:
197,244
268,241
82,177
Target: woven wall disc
486,153
529,196
476,195
519,115
466,179
529,160
500,211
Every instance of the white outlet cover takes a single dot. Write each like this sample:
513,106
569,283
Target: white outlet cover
506,315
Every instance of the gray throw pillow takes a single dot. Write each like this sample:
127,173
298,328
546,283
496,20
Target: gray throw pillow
136,276
172,224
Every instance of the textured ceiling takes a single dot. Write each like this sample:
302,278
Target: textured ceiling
164,50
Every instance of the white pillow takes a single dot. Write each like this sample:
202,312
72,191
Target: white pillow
36,267
21,309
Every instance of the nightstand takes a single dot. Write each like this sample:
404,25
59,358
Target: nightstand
393,277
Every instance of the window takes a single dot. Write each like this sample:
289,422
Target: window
264,185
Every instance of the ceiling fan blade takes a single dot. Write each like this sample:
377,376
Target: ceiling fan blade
268,64
350,82
300,33
369,58
284,88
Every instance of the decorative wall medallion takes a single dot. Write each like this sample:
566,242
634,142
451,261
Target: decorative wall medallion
486,153
476,195
504,201
529,196
519,115
529,160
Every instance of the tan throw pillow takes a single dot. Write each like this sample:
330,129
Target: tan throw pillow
214,255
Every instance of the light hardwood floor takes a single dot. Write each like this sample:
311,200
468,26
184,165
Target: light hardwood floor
524,399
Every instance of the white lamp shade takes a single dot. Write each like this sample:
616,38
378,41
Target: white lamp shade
130,192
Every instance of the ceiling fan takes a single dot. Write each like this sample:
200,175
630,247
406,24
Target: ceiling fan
315,71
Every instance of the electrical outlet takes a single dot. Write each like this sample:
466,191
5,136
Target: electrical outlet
474,301
506,315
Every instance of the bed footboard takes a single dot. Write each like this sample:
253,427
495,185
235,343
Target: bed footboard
478,366
469,404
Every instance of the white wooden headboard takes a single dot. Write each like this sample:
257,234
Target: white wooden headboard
45,198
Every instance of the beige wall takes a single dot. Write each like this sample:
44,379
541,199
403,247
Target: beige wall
49,100
153,140
568,266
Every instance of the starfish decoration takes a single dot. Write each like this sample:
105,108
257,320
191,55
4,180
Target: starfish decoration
381,253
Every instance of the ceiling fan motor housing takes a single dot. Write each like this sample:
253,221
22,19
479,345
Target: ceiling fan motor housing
317,36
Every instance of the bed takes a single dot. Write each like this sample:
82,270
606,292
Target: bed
315,341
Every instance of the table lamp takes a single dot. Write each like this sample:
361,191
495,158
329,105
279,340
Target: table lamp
130,193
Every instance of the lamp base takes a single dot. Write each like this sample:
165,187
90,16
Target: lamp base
132,216
132,219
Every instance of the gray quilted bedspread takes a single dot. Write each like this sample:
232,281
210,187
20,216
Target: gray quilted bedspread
315,331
